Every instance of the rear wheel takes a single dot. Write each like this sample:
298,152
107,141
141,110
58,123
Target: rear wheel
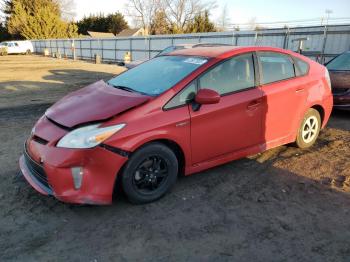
150,173
28,52
309,129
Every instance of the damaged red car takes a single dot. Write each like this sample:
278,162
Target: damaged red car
180,113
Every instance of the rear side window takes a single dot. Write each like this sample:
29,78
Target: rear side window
275,67
233,75
302,68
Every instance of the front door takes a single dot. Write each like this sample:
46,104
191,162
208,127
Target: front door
235,122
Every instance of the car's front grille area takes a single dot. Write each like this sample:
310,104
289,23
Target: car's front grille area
36,169
340,91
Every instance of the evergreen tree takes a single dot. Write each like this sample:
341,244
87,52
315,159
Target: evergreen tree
37,19
201,23
4,35
113,23
159,24
116,23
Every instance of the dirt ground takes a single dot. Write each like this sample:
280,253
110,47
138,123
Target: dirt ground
286,204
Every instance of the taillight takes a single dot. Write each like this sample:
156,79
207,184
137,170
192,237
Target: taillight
328,79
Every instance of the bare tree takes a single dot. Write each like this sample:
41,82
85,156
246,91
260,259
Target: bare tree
224,19
67,8
252,24
180,12
143,11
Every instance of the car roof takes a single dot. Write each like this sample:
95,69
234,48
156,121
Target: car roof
184,45
216,51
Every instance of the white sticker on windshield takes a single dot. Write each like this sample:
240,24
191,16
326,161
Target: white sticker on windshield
195,61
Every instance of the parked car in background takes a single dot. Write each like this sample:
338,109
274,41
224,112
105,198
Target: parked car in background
172,48
17,47
179,113
339,70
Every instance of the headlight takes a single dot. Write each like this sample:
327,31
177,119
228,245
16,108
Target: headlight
88,136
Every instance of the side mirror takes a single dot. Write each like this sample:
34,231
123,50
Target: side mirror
206,97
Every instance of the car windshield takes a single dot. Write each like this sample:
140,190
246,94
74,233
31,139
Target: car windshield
4,44
157,75
340,63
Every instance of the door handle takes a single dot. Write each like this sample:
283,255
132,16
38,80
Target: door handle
254,104
299,90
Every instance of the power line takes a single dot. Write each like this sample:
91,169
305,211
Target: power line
291,23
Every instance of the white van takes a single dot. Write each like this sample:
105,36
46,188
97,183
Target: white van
17,47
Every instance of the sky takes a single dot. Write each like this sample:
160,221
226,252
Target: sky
242,11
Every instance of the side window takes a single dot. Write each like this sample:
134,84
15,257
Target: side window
183,97
232,75
303,67
16,45
275,67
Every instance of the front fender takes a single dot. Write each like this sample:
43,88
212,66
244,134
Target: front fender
179,135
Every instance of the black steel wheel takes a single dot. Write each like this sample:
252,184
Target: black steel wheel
150,173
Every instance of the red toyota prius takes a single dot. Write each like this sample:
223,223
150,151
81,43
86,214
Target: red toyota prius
179,113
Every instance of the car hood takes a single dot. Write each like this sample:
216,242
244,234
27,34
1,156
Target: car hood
98,101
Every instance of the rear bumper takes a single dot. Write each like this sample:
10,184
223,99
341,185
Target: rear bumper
100,168
327,104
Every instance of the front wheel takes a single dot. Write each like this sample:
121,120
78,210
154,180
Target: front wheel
309,129
150,173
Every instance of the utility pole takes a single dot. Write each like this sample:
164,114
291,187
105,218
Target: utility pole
328,12
325,31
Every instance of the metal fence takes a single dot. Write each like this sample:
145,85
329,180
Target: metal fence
323,43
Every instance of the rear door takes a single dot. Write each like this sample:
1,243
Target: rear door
284,96
235,122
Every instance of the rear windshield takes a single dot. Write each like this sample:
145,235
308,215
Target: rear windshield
157,75
340,63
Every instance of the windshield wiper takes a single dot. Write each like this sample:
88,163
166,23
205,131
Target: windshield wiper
129,89
123,88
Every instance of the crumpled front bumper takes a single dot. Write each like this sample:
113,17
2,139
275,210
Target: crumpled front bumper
48,170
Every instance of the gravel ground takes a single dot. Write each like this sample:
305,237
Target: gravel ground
286,204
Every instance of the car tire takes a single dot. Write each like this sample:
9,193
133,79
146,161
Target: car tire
309,129
150,173
28,52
